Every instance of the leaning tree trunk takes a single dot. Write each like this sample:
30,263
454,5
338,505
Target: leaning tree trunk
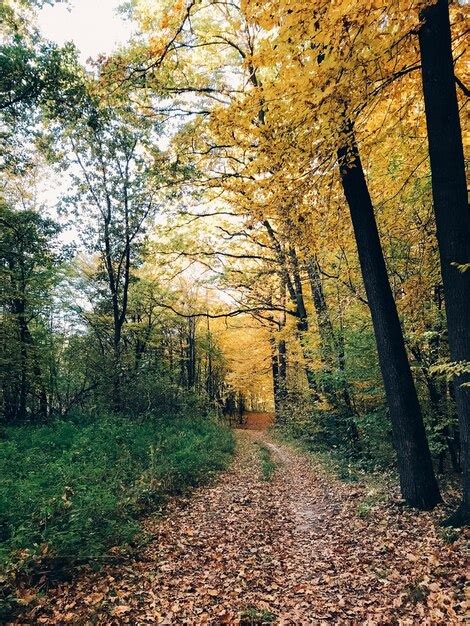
449,190
418,483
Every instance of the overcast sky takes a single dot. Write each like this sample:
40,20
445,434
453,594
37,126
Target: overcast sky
93,25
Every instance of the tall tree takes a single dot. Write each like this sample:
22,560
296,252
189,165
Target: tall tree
449,188
418,483
113,198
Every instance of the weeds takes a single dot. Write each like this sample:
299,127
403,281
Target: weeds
253,616
70,491
268,465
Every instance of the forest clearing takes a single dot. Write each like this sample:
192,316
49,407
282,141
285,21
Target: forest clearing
234,312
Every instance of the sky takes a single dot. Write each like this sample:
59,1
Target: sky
93,25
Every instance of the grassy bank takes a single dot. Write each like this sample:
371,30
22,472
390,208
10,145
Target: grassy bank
71,491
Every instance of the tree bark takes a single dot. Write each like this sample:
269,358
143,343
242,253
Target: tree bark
191,353
418,483
301,309
276,380
22,404
451,209
282,351
328,345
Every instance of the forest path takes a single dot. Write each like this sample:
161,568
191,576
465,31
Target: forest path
288,550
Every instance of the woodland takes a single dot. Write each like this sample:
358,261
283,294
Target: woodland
254,213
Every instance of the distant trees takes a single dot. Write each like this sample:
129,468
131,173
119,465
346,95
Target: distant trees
28,271
57,334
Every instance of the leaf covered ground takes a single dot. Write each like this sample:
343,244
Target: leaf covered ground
297,548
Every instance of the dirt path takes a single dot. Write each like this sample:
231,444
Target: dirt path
291,550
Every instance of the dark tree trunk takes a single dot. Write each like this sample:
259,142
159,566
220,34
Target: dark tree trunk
276,381
347,399
293,285
22,401
208,369
117,378
302,323
241,409
191,353
418,483
325,327
282,353
29,367
451,208
282,369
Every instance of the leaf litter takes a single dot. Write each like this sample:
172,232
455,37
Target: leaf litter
292,550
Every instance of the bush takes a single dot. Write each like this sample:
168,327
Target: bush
73,490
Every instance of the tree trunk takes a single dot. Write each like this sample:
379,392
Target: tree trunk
276,380
325,327
22,403
418,483
302,323
282,369
117,378
449,190
191,353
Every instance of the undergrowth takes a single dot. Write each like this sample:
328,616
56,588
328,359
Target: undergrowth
70,491
346,465
268,465
253,616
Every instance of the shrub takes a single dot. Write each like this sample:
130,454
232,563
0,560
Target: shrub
73,490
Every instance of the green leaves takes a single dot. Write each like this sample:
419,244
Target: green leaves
79,487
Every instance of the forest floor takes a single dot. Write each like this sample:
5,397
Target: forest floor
288,546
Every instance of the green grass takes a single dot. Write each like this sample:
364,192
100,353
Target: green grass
71,491
268,465
253,616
